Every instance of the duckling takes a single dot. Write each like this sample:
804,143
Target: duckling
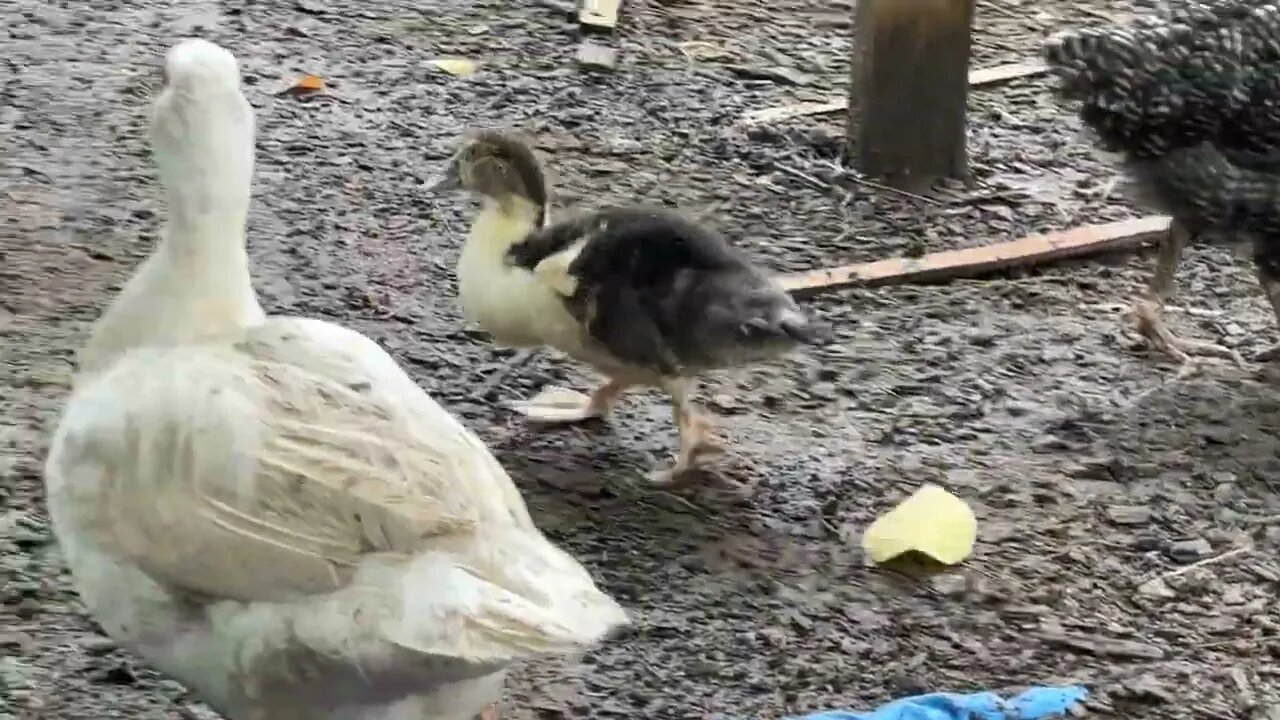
268,508
645,295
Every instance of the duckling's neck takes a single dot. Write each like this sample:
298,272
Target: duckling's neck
507,301
503,222
195,286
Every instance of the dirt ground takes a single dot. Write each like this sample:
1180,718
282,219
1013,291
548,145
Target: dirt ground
1091,471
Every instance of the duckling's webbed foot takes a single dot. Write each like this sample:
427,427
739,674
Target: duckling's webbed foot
489,713
561,405
698,442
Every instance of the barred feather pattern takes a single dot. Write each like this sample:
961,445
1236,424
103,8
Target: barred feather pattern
1200,72
1224,191
1191,95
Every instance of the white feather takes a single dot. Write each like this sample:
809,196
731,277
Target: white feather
270,510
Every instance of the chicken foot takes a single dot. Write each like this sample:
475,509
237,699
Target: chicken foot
698,442
561,405
1150,320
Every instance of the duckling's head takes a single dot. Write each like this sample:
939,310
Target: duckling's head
202,129
496,165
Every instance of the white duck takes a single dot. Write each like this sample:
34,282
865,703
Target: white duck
269,509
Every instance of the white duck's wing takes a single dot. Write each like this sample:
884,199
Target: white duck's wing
289,462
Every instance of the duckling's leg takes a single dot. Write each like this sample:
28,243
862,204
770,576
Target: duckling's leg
489,713
560,405
698,442
1147,310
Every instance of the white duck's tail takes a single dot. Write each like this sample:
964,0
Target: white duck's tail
514,597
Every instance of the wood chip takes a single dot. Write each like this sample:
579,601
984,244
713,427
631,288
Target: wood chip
594,56
1156,588
951,264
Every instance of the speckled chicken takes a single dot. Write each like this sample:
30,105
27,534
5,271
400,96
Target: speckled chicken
644,295
1191,98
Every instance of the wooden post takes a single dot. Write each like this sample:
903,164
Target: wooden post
908,90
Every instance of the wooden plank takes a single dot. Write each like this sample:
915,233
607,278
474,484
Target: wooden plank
981,77
950,264
908,90
1003,73
599,15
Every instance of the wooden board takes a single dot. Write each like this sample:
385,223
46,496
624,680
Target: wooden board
949,264
599,15
978,78
1001,73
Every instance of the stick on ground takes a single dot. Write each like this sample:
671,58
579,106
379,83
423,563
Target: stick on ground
978,78
951,264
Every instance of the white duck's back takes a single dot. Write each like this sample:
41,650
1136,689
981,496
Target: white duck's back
270,509
323,513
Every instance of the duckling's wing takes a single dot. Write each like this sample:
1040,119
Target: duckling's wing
640,246
656,288
289,463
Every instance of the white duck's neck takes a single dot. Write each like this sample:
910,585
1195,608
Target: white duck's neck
195,285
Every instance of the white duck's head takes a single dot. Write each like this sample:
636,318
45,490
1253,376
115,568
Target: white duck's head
202,133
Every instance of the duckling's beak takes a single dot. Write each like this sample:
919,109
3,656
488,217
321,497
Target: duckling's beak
443,182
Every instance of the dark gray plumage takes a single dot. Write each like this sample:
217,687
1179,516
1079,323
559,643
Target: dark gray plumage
659,290
1191,97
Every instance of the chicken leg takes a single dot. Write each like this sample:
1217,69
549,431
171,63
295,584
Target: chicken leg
561,405
1150,320
1269,279
698,442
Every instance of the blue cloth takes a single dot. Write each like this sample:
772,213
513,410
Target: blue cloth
1036,703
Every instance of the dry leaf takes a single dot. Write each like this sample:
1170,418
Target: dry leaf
309,82
932,522
305,85
454,66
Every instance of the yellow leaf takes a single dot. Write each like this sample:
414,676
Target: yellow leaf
932,522
454,66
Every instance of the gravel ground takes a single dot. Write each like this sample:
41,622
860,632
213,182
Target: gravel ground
1091,470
